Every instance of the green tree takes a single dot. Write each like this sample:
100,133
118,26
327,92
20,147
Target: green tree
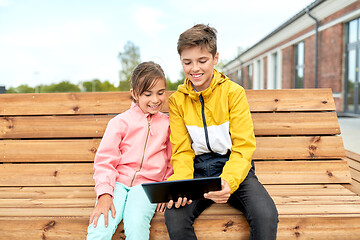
64,86
220,65
129,59
97,86
174,86
24,88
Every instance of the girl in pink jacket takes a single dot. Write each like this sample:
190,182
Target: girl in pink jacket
135,149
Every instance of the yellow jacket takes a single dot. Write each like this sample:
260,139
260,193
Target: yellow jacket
228,126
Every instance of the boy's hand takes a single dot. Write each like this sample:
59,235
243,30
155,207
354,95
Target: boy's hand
161,207
221,196
104,204
180,202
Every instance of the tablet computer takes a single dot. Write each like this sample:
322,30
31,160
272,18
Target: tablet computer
193,189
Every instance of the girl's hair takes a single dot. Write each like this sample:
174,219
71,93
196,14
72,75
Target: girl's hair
199,35
144,76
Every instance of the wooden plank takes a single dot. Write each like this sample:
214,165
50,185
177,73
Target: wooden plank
116,102
47,192
316,147
66,103
48,150
290,227
309,190
352,155
304,190
62,202
83,150
355,174
216,209
295,172
54,126
291,100
94,126
269,172
296,123
70,174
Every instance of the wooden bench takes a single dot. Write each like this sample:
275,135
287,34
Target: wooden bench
48,143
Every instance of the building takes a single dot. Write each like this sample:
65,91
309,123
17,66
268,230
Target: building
317,48
2,89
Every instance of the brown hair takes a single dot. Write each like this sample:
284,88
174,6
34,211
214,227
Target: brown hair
144,76
199,35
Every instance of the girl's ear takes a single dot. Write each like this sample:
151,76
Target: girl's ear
133,95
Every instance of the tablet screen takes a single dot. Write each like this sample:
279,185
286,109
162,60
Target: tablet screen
193,189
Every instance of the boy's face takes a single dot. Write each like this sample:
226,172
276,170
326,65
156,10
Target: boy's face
198,64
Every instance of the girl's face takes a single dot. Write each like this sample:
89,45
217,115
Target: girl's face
151,100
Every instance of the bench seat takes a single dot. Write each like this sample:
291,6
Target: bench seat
48,143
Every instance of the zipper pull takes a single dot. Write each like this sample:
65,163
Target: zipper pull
149,126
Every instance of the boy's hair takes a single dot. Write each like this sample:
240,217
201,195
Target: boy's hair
199,35
144,76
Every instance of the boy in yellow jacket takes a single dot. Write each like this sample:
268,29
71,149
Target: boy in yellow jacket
212,135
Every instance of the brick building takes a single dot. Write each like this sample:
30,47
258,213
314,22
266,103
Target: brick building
317,48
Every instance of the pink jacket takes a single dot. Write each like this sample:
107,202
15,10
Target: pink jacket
135,149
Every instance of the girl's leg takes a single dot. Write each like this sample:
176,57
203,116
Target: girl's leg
138,213
101,232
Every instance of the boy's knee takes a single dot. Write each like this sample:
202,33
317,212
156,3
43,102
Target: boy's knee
175,221
267,217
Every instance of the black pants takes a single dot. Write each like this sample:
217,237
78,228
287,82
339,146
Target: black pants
251,198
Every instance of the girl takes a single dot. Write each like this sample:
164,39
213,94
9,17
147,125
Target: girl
135,149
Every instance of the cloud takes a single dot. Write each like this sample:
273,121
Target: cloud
4,3
149,19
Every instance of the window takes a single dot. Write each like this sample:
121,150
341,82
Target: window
258,75
250,77
275,69
299,65
352,76
239,77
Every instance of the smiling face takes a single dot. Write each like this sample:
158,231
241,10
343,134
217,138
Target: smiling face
198,65
152,99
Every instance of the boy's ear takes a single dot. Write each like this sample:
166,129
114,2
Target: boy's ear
216,58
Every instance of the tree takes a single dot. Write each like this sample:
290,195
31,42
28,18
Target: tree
97,86
129,59
64,86
24,88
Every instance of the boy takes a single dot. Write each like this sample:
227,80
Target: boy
212,135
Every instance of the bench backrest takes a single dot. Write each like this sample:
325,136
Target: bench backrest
51,139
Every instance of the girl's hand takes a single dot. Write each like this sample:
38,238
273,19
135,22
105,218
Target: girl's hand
161,207
104,204
221,196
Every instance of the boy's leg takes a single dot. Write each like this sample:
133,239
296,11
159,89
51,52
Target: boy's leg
102,232
258,207
138,214
179,221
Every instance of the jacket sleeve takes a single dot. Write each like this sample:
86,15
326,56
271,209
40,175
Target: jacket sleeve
243,140
107,158
182,158
169,169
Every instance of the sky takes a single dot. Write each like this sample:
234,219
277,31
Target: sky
49,41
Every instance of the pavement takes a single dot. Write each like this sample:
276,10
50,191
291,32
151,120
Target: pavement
350,132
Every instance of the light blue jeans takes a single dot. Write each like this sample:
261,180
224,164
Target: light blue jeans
133,207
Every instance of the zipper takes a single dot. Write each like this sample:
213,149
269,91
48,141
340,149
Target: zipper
143,156
204,122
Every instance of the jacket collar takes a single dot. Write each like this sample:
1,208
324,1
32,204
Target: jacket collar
188,89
